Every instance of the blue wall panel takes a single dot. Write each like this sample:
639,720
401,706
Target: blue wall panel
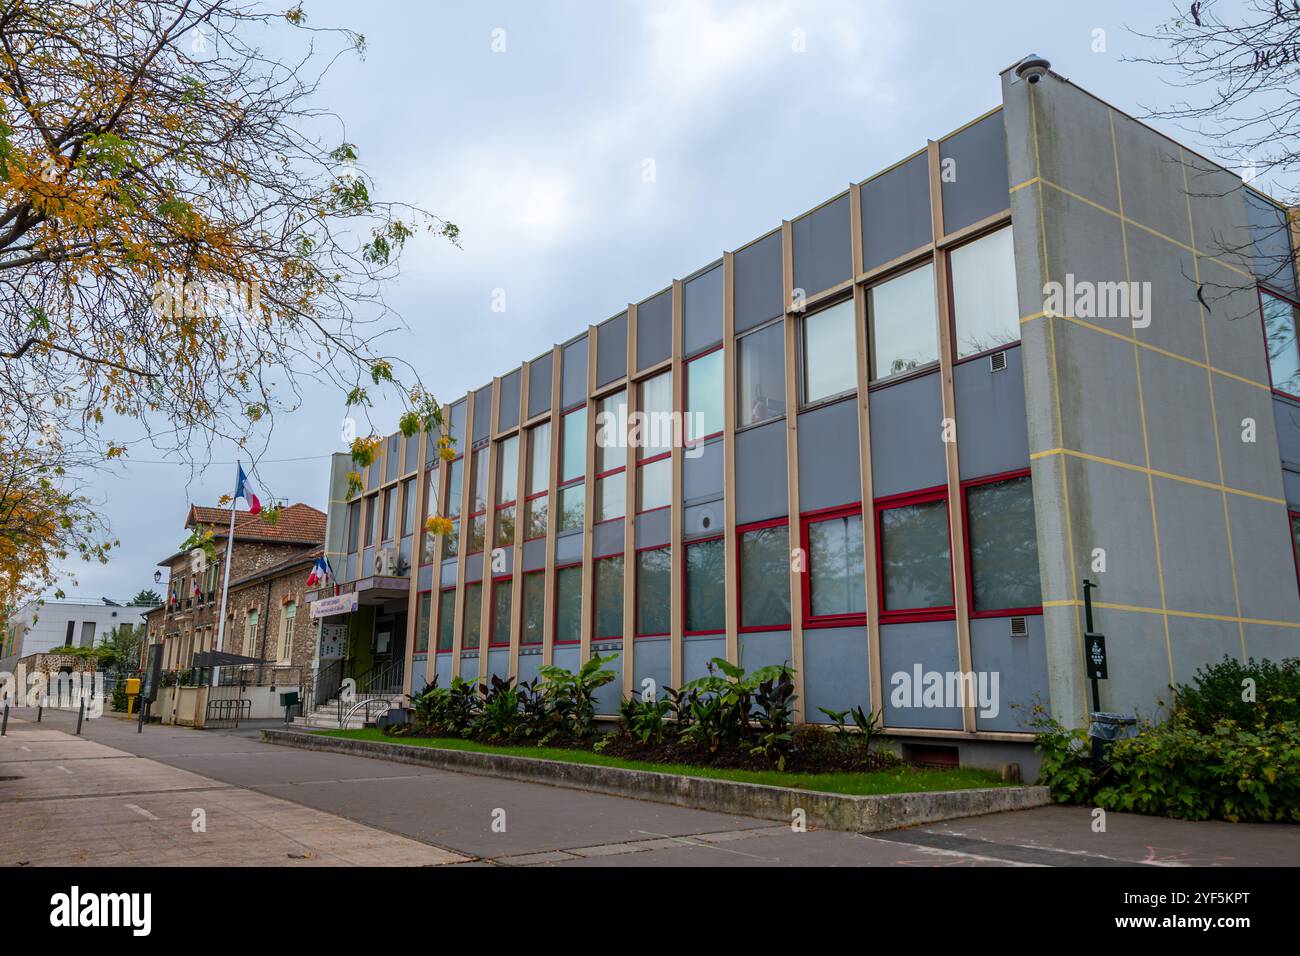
933,646
836,671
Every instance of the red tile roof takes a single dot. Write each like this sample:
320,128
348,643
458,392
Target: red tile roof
298,524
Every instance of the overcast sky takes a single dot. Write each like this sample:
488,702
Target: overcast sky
538,153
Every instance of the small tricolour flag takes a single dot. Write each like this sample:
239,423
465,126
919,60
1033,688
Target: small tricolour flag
242,490
320,574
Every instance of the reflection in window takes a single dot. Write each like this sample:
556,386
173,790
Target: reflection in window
760,376
568,605
573,456
985,310
500,635
704,398
904,328
916,556
656,485
611,497
1003,545
535,518
656,433
653,582
422,631
1280,324
473,620
765,577
446,618
534,607
572,503
705,598
829,353
608,609
836,570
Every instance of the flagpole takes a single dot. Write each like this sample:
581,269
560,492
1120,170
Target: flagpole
225,573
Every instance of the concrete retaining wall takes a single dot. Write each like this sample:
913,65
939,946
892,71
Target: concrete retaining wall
862,814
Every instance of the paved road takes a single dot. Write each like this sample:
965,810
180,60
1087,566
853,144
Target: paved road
483,819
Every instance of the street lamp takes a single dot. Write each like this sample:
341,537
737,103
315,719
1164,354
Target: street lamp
157,577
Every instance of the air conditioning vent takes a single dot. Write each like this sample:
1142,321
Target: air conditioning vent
1019,627
387,563
998,362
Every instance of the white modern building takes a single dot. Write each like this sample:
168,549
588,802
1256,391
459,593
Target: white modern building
39,626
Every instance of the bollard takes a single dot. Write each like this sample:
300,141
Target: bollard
40,706
81,712
4,721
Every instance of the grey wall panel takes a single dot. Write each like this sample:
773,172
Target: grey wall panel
992,433
474,567
567,656
530,663
1274,264
823,254
1291,482
906,437
931,645
539,385
703,520
424,581
654,528
573,377
607,538
764,649
482,413
974,164
442,665
448,577
1286,415
896,212
654,329
568,547
1021,666
836,671
611,350
761,473
508,401
758,283
498,662
696,654
702,475
534,554
829,472
651,661
702,311
610,695
469,666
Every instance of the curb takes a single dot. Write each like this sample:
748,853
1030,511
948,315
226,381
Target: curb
832,811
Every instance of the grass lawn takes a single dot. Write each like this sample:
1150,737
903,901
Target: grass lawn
902,780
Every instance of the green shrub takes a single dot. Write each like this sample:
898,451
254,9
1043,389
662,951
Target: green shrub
1251,694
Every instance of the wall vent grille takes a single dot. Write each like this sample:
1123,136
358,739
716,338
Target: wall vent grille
998,362
1019,627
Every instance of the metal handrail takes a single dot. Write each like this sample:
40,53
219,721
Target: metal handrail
388,700
382,680
327,683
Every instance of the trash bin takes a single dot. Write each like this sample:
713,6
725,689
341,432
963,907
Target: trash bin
1104,730
394,717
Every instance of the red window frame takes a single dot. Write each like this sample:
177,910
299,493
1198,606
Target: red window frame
966,486
686,545
464,619
558,466
600,476
1295,545
910,615
636,579
596,559
492,610
1260,292
643,460
741,530
530,497
555,607
685,397
523,611
502,505
473,490
432,496
419,596
433,636
806,520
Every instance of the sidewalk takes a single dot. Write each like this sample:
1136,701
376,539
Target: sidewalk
67,800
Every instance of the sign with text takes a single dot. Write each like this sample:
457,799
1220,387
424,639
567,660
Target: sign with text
1094,646
339,604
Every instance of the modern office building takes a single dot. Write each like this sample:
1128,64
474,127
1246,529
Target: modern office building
1051,345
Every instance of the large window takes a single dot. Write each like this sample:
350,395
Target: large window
608,587
654,442
472,623
284,648
903,325
390,514
764,552
451,541
428,547
1003,546
499,635
705,592
915,556
568,604
573,467
611,457
704,396
422,629
539,481
446,618
653,591
478,483
503,525
760,375
829,353
1280,324
836,583
534,614
985,310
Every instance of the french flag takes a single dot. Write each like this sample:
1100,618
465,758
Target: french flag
242,490
320,574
